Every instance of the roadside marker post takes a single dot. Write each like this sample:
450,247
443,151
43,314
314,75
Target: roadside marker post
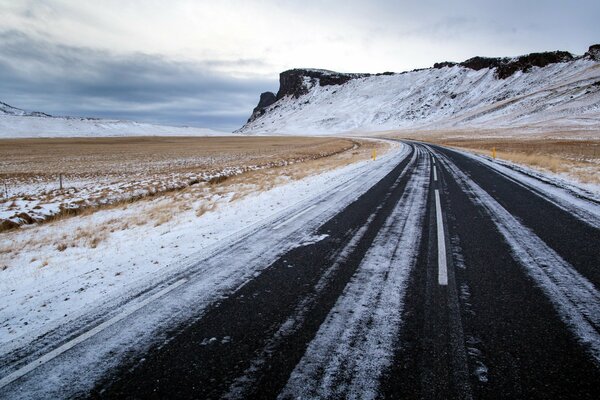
374,154
494,153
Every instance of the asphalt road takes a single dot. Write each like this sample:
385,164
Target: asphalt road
446,279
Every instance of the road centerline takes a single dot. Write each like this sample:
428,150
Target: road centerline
441,241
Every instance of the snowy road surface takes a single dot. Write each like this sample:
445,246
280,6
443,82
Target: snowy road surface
429,273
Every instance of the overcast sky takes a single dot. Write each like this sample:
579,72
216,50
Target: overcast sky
204,63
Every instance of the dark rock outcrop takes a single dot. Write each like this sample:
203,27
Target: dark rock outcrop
525,63
444,64
506,67
292,82
477,63
266,99
593,52
6,109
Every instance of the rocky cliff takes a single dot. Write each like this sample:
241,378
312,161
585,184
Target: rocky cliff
533,89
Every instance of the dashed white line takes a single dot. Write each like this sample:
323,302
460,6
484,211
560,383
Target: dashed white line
441,239
293,218
434,173
83,337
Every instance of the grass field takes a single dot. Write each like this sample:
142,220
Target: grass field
105,171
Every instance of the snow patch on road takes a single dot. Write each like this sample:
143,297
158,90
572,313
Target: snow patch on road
356,342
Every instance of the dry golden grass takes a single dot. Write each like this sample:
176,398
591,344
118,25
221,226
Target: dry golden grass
577,158
106,156
122,170
164,211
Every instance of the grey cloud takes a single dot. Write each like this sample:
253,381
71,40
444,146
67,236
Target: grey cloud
62,80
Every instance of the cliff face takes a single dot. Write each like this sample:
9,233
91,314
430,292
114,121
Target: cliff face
534,89
266,99
296,82
505,66
594,52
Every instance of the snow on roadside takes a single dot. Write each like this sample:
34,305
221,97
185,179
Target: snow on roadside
44,284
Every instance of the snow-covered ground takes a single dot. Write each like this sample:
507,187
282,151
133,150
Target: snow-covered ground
48,291
561,96
38,275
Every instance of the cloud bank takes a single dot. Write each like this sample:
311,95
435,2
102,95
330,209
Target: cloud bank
78,81
205,63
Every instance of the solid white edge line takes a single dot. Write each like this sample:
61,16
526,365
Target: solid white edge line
293,218
83,337
442,266
434,173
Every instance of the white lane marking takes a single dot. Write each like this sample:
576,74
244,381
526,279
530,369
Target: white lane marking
434,173
293,218
442,267
433,159
83,337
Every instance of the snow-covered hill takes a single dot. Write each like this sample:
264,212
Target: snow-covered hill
17,123
534,91
6,109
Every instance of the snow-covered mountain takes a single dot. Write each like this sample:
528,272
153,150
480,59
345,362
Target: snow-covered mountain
17,123
535,91
5,109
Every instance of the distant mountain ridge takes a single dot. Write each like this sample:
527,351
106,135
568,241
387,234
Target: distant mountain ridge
6,109
536,88
18,123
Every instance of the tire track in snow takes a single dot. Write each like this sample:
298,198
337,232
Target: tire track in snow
356,342
573,296
240,387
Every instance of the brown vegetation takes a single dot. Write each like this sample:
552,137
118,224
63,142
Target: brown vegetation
577,158
116,155
130,158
